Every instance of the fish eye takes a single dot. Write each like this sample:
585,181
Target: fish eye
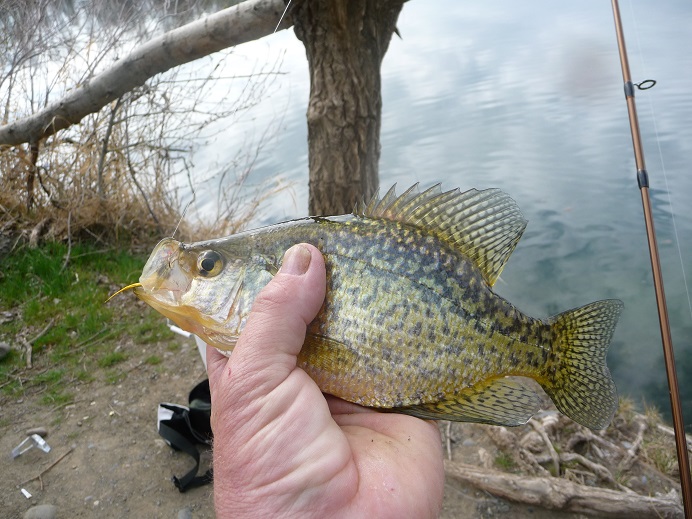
209,263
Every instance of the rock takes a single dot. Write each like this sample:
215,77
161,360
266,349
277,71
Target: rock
4,350
185,513
41,431
41,512
161,444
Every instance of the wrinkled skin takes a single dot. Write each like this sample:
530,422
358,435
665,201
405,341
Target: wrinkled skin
283,449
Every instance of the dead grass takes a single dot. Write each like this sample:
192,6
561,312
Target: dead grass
83,187
116,176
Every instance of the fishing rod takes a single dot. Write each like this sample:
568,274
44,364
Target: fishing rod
643,181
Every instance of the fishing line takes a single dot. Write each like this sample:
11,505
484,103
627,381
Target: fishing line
650,100
187,206
192,187
282,16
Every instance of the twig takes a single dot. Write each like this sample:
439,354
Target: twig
69,242
9,381
448,434
104,149
65,404
28,344
529,458
88,342
134,367
599,470
631,455
586,435
40,474
670,431
90,253
43,332
27,352
507,442
538,427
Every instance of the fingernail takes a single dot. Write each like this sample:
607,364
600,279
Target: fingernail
296,260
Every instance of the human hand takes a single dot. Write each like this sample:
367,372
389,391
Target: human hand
283,449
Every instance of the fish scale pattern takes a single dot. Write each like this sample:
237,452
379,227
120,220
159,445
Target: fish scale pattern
410,322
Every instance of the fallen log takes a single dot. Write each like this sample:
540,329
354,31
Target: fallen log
560,494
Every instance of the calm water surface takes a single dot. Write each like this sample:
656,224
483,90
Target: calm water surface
528,97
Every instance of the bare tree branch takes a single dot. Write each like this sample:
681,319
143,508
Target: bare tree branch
247,21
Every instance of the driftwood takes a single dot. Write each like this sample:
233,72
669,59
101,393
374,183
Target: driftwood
509,443
561,494
631,455
538,427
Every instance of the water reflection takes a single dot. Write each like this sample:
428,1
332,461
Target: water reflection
531,100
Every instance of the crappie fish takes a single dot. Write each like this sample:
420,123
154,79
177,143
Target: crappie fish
409,322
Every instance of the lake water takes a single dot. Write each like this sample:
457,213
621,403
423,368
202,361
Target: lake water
527,97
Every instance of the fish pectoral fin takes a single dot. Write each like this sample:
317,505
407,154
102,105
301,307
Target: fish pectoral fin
500,401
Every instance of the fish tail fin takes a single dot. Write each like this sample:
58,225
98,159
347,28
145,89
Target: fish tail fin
578,380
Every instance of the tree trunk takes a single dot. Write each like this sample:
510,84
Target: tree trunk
345,42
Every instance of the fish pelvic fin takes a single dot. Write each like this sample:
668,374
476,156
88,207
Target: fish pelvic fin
499,401
578,380
484,225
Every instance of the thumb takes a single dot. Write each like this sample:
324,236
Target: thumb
275,331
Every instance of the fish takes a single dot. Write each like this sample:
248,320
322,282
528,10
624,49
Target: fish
410,322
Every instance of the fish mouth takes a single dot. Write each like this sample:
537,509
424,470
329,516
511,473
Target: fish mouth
165,285
164,274
167,302
189,319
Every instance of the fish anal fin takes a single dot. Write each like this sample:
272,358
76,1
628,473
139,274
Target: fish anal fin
483,225
500,401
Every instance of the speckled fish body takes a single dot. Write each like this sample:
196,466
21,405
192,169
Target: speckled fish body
410,322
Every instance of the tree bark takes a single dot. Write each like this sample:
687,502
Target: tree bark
345,42
244,22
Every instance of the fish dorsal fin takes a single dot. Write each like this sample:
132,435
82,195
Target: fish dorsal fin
483,225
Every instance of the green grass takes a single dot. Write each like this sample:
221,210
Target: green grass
111,359
49,377
64,310
505,462
153,360
57,397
